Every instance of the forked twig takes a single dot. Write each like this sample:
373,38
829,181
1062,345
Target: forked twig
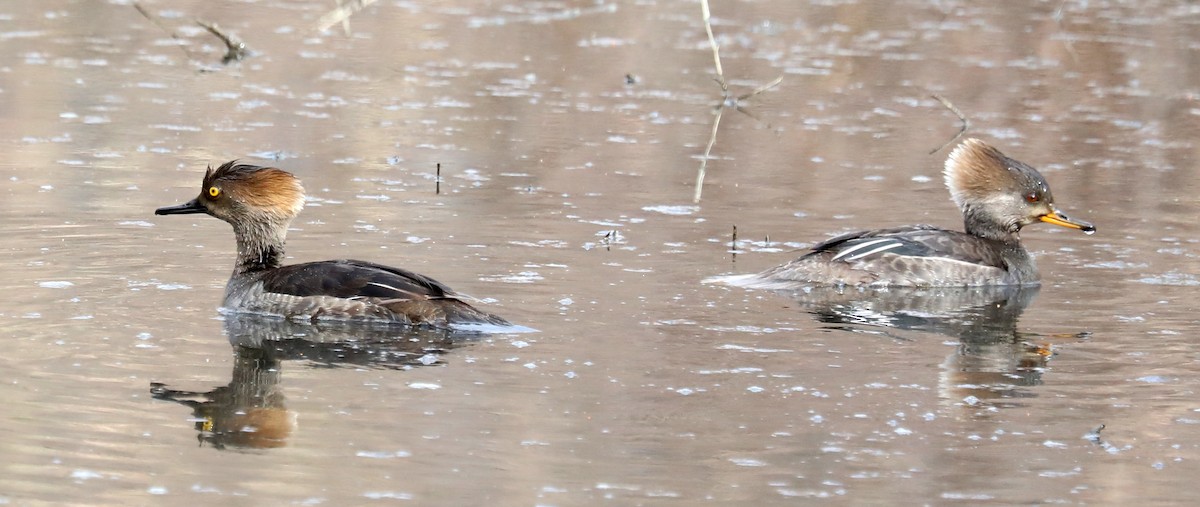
235,50
726,98
966,124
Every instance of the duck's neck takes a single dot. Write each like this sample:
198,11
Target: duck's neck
260,246
977,222
1017,261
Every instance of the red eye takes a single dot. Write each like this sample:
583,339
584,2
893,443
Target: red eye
1032,197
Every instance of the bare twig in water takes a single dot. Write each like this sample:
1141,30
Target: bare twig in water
712,41
727,100
235,49
712,139
1067,43
341,14
758,90
966,124
609,238
437,186
146,14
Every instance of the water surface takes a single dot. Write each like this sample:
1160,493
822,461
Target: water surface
569,135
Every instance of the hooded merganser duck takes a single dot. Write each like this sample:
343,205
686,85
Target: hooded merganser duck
260,202
997,196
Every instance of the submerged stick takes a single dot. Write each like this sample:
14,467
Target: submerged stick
966,124
437,185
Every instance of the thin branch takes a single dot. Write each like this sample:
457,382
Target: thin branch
712,41
341,14
235,50
966,124
1057,17
150,17
726,98
760,89
712,139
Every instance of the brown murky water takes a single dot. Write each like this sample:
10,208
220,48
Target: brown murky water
644,387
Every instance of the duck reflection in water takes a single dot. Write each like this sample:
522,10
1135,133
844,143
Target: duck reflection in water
994,364
250,412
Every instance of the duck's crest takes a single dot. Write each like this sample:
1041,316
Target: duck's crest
265,188
974,170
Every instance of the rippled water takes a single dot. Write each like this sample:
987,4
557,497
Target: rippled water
569,135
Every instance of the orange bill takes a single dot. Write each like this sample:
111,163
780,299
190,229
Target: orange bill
1062,220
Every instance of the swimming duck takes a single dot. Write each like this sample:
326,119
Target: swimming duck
260,202
997,195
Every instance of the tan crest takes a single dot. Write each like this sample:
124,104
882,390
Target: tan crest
974,170
272,189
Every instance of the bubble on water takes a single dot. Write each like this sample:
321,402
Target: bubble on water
747,462
383,454
388,495
81,474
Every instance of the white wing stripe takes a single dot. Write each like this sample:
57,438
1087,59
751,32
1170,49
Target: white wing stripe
860,246
384,285
875,251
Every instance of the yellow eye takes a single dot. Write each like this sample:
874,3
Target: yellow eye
213,191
